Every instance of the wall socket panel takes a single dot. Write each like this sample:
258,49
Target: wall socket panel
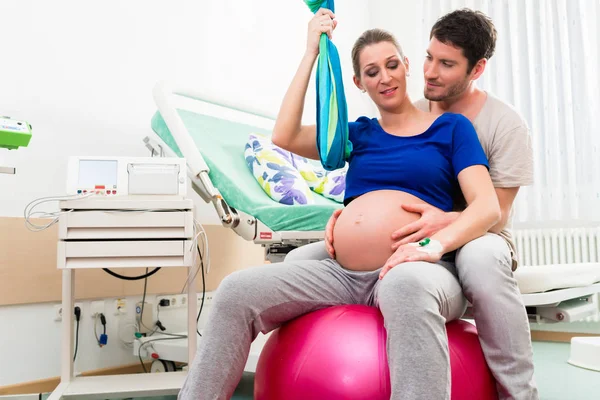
58,311
180,300
208,297
175,301
97,308
120,307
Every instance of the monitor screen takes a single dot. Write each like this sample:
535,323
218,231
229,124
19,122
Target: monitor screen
94,173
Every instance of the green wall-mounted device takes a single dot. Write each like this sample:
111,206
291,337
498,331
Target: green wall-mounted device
14,133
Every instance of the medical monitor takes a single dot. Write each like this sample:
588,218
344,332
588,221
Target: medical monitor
126,176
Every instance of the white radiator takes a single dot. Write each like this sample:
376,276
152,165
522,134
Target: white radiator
539,247
557,246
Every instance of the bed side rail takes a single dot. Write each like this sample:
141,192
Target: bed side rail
202,185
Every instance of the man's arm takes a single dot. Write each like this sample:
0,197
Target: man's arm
506,198
433,219
511,166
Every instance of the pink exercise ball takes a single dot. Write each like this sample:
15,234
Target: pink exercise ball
340,353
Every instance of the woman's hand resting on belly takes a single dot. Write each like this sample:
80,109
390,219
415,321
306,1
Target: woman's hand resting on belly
329,233
362,234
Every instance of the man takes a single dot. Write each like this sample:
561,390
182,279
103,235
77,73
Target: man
461,43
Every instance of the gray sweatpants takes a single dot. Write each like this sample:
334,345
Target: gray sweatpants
416,300
485,274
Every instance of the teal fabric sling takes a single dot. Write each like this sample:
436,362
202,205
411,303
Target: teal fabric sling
332,112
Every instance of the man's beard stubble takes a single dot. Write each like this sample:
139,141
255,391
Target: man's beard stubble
454,91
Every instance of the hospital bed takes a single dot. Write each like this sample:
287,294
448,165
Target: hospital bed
211,136
559,283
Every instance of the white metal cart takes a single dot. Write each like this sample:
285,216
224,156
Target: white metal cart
98,232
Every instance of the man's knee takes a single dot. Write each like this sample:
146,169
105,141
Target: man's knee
488,253
484,264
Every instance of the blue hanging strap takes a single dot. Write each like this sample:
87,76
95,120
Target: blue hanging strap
332,112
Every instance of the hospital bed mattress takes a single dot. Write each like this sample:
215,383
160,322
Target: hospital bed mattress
544,278
221,143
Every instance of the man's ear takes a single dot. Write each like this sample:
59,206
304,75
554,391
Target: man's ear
357,83
478,69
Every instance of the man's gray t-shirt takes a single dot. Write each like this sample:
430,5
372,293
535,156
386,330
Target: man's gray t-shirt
506,141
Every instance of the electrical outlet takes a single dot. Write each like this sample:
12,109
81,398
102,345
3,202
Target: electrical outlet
175,301
208,297
58,312
159,298
120,307
97,308
182,300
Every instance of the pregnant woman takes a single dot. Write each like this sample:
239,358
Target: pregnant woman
405,156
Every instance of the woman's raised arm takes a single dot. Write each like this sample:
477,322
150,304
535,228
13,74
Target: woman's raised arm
289,133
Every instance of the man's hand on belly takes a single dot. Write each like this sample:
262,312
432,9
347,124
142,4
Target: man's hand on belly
432,220
409,252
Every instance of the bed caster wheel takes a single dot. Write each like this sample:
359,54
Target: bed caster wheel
162,366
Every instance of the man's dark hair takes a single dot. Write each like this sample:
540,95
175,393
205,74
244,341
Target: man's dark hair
471,31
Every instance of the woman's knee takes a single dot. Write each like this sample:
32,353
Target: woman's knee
408,280
411,289
237,288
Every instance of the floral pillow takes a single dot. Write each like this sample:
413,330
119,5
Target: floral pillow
289,178
333,184
274,170
330,184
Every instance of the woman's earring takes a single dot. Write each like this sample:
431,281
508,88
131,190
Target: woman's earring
363,90
407,74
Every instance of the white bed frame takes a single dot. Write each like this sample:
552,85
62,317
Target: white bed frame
560,272
168,98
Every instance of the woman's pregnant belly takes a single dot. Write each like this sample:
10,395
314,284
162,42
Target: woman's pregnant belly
362,235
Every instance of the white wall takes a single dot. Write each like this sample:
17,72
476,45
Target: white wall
404,20
82,74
